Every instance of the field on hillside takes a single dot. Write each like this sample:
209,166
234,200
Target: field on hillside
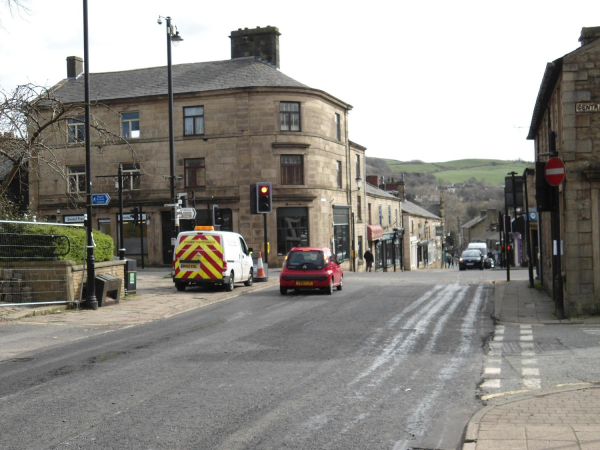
460,171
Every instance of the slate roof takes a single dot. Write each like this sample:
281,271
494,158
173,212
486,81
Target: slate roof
187,78
474,221
373,190
415,210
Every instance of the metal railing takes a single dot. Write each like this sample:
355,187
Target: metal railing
33,263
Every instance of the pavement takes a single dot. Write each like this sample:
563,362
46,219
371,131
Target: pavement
566,418
559,419
155,299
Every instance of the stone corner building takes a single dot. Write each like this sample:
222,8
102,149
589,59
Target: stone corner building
236,122
567,117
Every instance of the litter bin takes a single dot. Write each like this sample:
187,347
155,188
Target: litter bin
107,287
130,276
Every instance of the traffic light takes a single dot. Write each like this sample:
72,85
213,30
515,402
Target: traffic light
507,224
509,247
264,197
216,216
134,211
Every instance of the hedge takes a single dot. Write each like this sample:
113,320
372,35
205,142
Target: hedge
77,239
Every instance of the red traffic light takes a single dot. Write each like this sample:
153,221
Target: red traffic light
264,189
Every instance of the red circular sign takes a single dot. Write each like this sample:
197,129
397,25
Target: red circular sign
555,171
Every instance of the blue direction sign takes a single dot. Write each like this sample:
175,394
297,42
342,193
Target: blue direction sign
100,199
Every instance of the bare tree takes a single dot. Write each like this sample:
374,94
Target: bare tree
36,128
15,7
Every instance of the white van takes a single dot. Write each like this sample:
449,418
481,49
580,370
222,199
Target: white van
208,257
481,246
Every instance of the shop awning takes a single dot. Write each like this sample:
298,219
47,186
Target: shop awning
374,232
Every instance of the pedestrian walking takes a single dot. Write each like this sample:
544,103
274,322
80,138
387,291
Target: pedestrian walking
369,259
448,260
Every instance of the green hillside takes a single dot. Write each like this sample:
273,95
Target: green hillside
492,171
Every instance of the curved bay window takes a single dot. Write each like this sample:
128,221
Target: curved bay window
292,229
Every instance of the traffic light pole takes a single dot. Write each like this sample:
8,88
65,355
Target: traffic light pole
266,239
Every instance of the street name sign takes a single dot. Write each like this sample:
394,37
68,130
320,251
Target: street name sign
555,171
100,199
188,213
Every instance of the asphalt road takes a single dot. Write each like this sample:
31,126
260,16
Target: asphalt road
389,362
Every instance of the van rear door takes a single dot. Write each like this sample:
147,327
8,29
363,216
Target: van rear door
198,256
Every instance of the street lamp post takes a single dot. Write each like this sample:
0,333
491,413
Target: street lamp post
90,297
172,36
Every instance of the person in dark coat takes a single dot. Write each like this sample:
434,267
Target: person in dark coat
369,259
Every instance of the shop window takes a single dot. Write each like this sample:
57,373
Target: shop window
341,233
292,229
360,248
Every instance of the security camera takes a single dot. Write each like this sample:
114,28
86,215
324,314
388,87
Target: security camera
159,21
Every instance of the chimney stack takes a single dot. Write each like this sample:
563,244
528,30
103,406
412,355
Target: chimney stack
373,180
400,186
260,42
74,66
589,34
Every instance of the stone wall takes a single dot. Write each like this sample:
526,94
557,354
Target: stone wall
49,281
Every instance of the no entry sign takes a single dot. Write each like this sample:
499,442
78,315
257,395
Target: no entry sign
555,171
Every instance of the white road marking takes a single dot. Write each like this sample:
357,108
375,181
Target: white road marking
529,361
526,338
491,384
530,371
492,371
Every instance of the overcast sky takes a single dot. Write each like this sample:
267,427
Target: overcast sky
432,80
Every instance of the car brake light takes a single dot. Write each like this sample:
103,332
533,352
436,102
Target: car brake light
224,267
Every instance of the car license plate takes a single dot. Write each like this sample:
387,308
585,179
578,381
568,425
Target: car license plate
190,265
304,283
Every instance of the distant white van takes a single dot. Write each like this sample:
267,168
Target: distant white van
481,246
208,257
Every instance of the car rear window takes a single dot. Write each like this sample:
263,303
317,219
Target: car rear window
305,260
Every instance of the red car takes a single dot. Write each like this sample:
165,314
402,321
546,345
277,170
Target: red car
310,268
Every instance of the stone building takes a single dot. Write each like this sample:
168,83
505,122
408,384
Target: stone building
384,227
236,122
484,228
566,124
423,238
